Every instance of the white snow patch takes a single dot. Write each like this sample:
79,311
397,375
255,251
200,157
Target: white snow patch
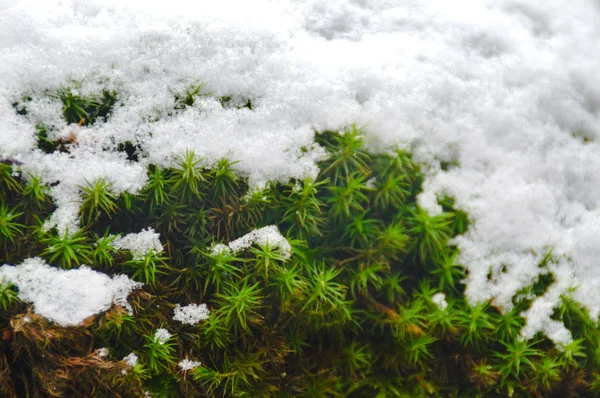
67,297
161,336
140,244
191,314
131,359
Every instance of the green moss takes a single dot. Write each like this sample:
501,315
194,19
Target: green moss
349,313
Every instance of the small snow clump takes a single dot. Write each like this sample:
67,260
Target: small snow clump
188,364
261,236
191,314
162,335
140,244
131,359
439,299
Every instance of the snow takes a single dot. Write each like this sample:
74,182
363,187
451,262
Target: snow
509,89
188,364
262,236
140,244
162,336
191,314
131,359
439,299
102,352
67,297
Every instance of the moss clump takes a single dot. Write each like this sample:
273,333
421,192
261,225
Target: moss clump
367,303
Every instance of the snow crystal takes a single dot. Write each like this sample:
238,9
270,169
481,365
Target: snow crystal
131,359
191,314
505,89
162,335
67,297
439,299
140,243
187,364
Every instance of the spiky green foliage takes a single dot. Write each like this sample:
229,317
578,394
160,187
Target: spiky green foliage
147,268
351,310
8,295
159,355
188,99
9,227
239,305
97,198
85,110
188,174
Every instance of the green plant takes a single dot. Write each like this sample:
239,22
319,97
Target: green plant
188,99
348,154
8,182
37,192
266,258
240,371
368,302
325,297
97,198
7,295
519,357
76,109
85,110
104,251
159,352
9,227
147,268
476,323
303,208
238,305
220,268
431,233
66,250
156,189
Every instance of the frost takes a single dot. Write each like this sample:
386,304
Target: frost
191,314
140,244
162,335
510,91
439,299
67,297
187,364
